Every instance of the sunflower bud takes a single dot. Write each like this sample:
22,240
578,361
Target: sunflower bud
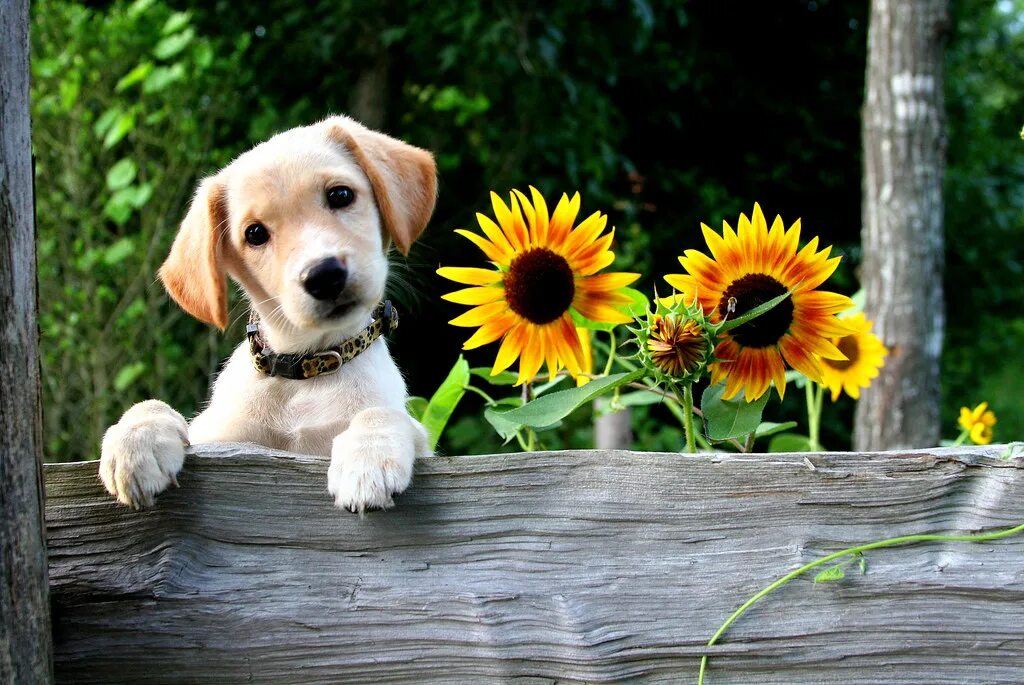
675,342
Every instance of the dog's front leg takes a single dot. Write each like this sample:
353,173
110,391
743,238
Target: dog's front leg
371,461
143,452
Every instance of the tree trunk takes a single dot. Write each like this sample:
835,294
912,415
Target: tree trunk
904,161
613,430
25,648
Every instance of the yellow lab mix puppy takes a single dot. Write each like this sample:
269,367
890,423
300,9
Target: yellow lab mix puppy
302,222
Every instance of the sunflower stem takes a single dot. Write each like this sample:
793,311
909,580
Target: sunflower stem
859,549
687,400
961,438
487,398
611,353
814,400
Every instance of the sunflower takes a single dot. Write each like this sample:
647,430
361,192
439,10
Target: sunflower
978,423
677,346
545,269
749,267
865,355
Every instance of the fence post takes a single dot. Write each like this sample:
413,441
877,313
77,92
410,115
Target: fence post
25,639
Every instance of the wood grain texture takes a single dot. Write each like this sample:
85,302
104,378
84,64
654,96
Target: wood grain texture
24,608
550,567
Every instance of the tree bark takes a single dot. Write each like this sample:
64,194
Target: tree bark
904,161
25,646
613,430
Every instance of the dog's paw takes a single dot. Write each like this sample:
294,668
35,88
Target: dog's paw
143,453
371,462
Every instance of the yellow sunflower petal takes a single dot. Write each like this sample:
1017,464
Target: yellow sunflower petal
490,331
541,209
608,281
563,218
480,315
511,348
474,296
493,252
470,275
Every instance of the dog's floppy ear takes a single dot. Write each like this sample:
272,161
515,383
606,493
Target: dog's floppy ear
404,178
193,272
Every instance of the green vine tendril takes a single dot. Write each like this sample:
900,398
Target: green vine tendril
851,551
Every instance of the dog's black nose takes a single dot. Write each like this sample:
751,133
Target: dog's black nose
325,280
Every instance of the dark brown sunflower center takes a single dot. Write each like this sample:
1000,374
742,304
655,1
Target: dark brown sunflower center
848,346
539,286
748,292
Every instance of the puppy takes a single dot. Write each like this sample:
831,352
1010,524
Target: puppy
302,223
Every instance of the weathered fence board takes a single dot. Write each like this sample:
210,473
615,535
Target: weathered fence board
24,618
550,567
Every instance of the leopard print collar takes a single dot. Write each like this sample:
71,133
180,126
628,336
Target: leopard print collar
310,365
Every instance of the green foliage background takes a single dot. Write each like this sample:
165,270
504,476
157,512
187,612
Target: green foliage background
663,113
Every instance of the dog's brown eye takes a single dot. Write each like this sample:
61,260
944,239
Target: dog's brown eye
256,234
340,196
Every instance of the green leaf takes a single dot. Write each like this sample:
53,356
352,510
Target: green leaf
502,426
117,208
175,23
796,378
161,77
768,428
790,442
541,389
726,419
106,120
416,406
122,126
640,398
831,574
121,174
552,408
443,402
118,251
503,378
128,375
171,45
136,75
753,313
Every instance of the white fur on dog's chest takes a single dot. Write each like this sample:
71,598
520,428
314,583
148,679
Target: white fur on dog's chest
297,415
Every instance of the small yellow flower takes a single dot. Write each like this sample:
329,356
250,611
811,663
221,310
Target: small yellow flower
978,423
865,355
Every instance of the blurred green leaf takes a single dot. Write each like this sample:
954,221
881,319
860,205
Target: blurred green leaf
121,174
727,419
128,375
171,45
175,22
503,378
768,428
790,442
136,75
443,402
122,125
416,406
162,77
118,251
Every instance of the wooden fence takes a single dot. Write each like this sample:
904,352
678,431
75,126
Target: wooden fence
559,567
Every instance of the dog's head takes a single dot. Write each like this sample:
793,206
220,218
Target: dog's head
303,222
